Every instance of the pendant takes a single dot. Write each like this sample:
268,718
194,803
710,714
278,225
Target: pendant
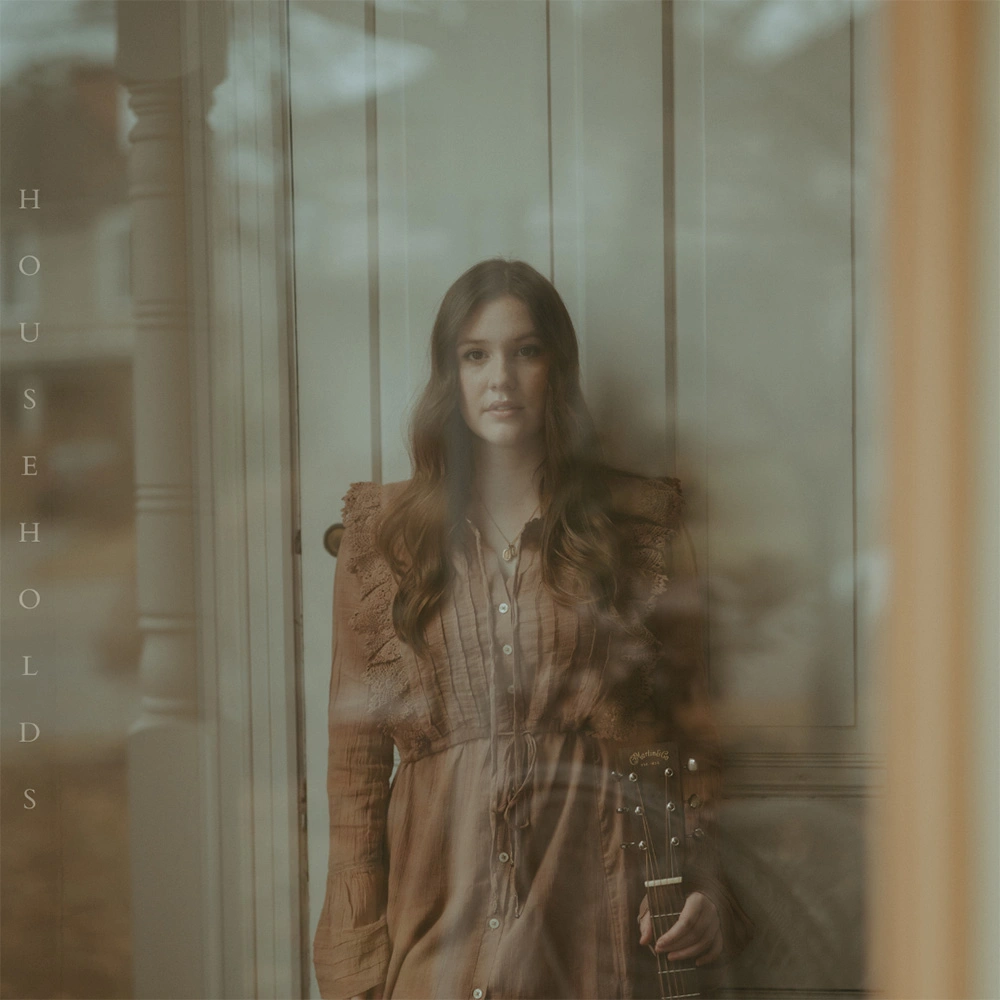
509,553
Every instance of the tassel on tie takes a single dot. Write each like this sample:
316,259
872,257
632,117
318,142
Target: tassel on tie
517,810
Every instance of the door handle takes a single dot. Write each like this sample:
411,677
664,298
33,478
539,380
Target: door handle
332,537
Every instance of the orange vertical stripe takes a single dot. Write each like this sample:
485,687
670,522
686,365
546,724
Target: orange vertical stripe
922,898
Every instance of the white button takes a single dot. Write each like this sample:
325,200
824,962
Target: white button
508,648
504,608
494,923
478,994
510,689
504,856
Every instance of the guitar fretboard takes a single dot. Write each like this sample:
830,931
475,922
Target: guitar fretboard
655,801
677,978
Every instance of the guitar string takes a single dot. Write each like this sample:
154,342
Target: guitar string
675,977
651,894
685,974
673,903
659,906
689,976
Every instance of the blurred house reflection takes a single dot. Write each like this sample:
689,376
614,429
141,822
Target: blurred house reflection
67,401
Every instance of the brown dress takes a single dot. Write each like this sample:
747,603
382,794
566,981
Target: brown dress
492,864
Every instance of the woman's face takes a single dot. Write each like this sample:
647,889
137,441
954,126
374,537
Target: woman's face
503,371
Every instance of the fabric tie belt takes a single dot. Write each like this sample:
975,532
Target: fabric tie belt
512,801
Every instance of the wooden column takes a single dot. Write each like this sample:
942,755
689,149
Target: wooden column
163,743
217,796
922,894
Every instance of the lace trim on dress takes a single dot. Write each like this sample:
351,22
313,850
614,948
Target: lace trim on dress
648,512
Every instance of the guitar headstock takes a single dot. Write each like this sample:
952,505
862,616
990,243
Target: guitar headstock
653,793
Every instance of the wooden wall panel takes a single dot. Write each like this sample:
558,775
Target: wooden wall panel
766,353
777,375
608,215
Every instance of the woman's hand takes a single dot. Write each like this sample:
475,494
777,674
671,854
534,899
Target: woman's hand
375,993
696,932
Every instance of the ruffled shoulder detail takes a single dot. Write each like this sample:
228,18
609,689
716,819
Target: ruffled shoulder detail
658,501
649,512
384,674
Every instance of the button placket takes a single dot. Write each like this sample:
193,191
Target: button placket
505,624
501,622
494,592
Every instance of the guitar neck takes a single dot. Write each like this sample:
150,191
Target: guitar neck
654,797
677,978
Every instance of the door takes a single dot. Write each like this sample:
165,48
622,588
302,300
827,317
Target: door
690,176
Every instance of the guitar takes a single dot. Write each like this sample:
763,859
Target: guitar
653,790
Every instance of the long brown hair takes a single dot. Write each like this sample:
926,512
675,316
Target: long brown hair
580,553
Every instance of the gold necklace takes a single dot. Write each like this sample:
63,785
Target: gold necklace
510,552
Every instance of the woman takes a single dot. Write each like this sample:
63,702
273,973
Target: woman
500,619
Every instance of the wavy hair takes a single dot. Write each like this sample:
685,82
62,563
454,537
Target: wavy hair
580,551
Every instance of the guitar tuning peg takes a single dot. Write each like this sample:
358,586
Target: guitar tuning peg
621,809
641,845
692,764
633,776
628,844
638,810
671,807
675,841
698,833
669,772
694,802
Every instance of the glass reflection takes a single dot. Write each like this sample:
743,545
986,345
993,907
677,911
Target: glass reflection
69,666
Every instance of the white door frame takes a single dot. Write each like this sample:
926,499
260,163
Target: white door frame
236,135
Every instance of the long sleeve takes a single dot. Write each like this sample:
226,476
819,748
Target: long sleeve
682,621
351,945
